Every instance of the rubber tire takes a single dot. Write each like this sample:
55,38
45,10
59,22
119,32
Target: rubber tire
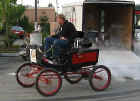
37,87
91,76
17,78
72,81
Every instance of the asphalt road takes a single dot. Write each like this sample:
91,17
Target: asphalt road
11,91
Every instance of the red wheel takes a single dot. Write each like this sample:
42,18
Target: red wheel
100,78
27,73
48,82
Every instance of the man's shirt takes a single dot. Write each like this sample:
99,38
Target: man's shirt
66,30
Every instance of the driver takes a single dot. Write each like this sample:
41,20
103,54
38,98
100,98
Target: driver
61,39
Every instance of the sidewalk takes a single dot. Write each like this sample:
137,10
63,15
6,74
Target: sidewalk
9,54
35,40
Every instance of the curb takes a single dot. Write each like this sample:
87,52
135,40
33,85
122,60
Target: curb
9,54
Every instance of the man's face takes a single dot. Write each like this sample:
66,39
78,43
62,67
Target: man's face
60,20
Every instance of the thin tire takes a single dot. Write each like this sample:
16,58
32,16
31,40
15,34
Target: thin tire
19,75
98,77
48,77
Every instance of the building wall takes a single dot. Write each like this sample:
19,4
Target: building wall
49,12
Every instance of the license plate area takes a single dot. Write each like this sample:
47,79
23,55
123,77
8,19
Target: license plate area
33,55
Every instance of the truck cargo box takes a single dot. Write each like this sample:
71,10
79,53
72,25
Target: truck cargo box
113,22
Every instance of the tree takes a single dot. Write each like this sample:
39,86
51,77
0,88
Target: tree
13,1
15,13
0,11
4,12
0,17
3,7
24,22
10,13
45,27
0,26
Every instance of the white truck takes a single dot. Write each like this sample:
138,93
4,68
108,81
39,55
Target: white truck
104,20
73,13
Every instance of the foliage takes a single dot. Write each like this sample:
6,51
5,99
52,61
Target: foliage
1,26
45,27
0,12
13,1
15,13
24,22
10,14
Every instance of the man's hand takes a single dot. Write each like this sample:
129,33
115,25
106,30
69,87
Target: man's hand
52,34
63,38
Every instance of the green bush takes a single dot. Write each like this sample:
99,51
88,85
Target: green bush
0,26
27,26
45,27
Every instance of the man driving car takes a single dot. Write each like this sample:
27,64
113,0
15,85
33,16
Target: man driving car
61,39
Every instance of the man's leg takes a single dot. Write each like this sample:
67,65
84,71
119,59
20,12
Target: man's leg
59,45
48,43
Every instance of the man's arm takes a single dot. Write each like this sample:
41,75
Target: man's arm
56,32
